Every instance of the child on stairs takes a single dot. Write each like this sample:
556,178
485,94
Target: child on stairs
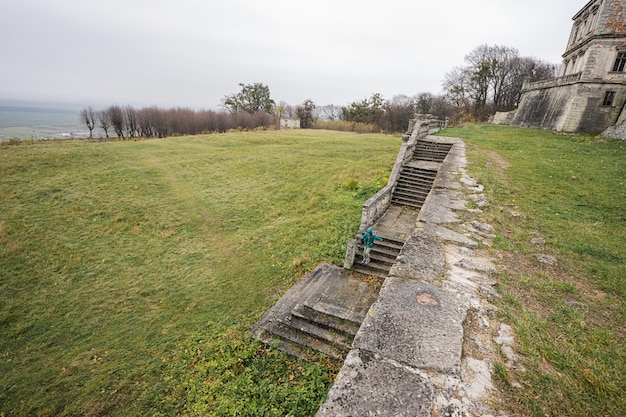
368,239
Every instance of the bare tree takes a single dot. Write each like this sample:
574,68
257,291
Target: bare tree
397,114
457,84
131,121
492,80
147,120
152,121
104,121
116,117
443,108
89,118
481,63
329,112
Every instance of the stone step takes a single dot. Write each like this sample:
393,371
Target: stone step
431,151
411,193
408,202
415,183
430,156
419,170
326,334
417,174
307,340
381,252
330,321
377,257
413,186
341,308
303,289
390,242
403,194
373,269
348,300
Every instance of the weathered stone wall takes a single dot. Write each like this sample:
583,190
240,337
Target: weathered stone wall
544,108
503,118
574,107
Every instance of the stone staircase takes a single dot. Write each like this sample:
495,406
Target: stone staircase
413,185
320,314
431,151
382,256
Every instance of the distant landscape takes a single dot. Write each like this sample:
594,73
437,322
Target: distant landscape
37,120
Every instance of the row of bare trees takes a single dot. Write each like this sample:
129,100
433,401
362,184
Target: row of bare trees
491,80
149,122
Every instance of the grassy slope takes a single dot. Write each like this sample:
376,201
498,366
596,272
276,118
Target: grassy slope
131,271
569,190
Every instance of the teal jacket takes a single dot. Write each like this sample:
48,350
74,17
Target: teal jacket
369,238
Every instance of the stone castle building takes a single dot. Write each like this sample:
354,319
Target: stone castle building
590,93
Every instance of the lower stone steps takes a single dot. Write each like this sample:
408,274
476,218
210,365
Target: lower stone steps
319,315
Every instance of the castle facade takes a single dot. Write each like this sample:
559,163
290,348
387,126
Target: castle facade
590,93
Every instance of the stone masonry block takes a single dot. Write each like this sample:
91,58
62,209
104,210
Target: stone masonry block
415,324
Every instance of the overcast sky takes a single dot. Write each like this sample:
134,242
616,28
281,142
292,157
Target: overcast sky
191,53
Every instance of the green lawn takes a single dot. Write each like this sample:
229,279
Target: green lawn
131,272
569,189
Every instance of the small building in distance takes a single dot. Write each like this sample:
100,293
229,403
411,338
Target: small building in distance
590,92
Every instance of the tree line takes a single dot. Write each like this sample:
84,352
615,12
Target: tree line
128,122
491,80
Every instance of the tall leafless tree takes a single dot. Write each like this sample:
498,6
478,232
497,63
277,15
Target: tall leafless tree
116,117
89,117
104,121
131,121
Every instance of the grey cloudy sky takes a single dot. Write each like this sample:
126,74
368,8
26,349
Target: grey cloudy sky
191,53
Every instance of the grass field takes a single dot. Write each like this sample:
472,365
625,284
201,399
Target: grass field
131,272
569,190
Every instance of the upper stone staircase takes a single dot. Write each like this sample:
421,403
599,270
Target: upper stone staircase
413,186
431,151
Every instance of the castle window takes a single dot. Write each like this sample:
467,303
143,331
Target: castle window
609,96
620,62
